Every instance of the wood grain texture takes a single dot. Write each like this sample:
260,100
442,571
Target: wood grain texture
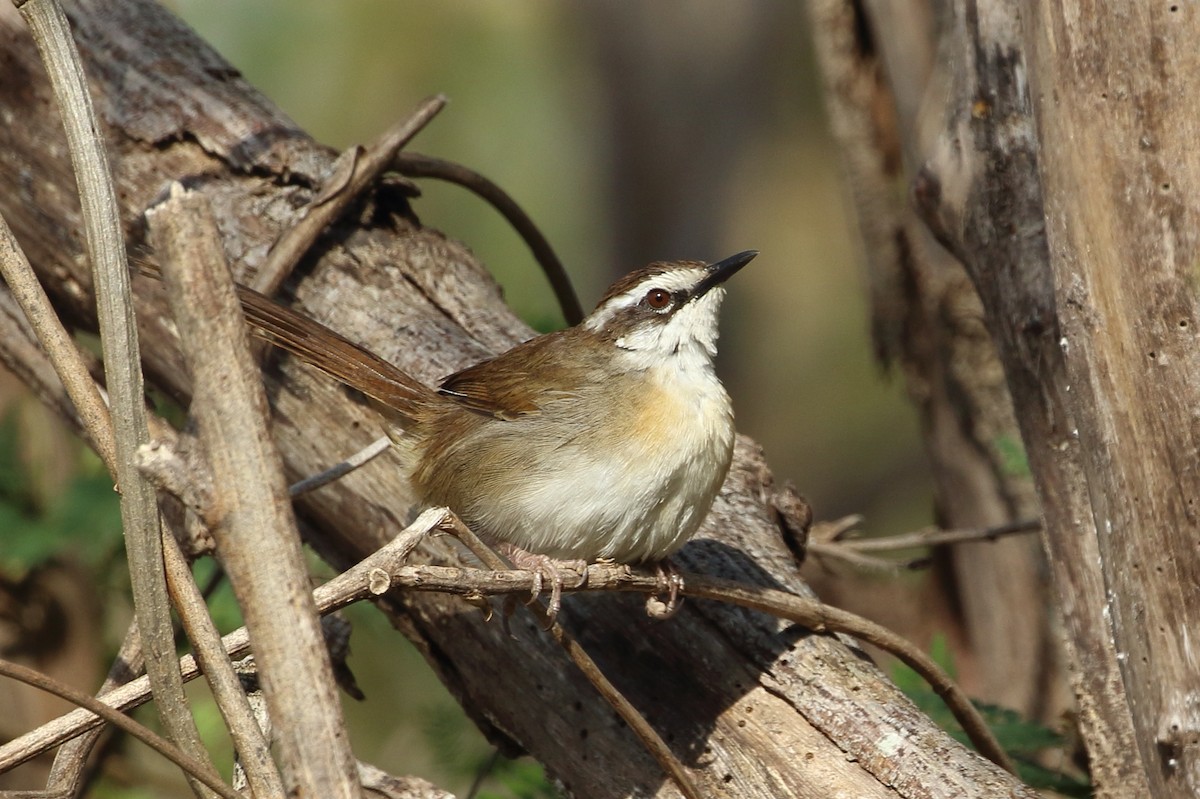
981,193
1115,90
754,708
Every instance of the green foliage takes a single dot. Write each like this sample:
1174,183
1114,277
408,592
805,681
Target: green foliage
1021,738
520,779
446,731
85,520
1013,461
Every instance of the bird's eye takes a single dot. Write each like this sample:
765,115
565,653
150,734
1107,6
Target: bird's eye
658,298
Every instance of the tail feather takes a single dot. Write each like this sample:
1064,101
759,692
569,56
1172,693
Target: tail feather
335,355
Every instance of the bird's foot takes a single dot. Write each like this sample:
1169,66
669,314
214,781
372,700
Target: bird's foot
545,569
670,582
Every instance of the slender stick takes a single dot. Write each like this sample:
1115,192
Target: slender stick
937,536
254,751
199,771
256,538
59,347
71,759
340,470
424,166
355,171
96,423
118,336
642,728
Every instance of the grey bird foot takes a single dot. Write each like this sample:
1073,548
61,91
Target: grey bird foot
545,569
670,582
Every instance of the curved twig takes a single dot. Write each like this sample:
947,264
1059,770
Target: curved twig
355,170
642,728
414,165
385,570
201,772
122,364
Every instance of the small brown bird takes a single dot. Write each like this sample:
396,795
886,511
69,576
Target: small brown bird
609,439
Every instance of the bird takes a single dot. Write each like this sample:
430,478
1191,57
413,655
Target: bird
608,440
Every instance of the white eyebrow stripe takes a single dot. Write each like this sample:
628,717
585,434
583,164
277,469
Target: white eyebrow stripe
676,280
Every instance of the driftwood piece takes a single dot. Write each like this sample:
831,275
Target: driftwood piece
754,707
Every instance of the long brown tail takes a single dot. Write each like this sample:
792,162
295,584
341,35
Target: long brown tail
338,357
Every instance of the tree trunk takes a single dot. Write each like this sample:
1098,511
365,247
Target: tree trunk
752,706
879,63
1063,176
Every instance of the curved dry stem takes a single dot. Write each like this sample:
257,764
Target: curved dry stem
645,733
355,170
201,772
414,165
60,348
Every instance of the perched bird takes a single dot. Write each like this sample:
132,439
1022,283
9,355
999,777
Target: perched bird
606,440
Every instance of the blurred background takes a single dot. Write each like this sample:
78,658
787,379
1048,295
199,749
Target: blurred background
630,133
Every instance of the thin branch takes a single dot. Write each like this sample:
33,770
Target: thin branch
414,165
118,336
340,470
356,170
70,761
59,347
200,771
257,538
254,751
832,543
385,570
936,536
642,728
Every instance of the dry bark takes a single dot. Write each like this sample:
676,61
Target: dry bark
753,707
1115,92
882,71
1063,175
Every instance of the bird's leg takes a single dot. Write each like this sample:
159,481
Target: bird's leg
670,582
545,569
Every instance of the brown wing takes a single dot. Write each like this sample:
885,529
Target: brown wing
517,382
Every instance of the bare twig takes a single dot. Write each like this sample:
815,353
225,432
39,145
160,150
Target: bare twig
70,761
59,346
936,536
257,529
385,570
424,166
338,471
254,751
355,171
118,336
830,541
645,733
200,771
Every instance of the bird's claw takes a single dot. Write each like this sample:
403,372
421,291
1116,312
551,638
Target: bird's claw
546,569
670,582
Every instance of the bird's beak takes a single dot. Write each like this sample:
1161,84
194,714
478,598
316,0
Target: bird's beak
721,271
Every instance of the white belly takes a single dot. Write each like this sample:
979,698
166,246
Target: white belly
634,491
